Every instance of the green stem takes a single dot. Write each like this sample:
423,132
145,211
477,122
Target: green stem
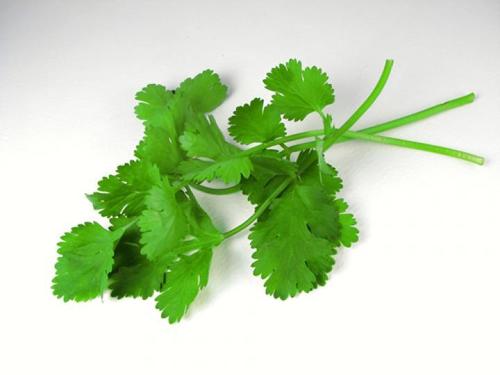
217,191
417,146
420,115
278,141
401,121
260,210
364,106
349,135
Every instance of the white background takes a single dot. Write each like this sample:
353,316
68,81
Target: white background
419,294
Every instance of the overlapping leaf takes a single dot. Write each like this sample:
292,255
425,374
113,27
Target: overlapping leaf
294,250
134,275
124,193
163,224
214,157
269,171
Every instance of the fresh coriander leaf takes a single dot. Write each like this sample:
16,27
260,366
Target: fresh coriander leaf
185,278
349,234
268,173
128,249
203,139
285,246
163,224
201,226
329,179
204,92
138,280
159,148
133,274
124,192
153,107
229,171
86,259
253,122
295,240
298,91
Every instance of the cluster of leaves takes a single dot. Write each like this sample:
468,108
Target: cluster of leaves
160,241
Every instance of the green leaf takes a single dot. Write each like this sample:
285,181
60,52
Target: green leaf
185,278
133,274
204,92
124,193
253,122
203,139
153,108
298,91
349,234
163,224
86,259
201,226
229,171
295,240
159,148
128,248
330,179
268,173
138,280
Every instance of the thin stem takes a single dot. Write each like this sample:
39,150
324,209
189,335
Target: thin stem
279,141
260,210
217,191
417,146
420,115
401,121
364,106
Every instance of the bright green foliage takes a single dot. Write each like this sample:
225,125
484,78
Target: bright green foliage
86,259
153,107
163,224
269,171
203,139
200,225
133,274
185,278
294,242
349,234
205,92
253,123
159,148
160,240
299,91
124,192
139,280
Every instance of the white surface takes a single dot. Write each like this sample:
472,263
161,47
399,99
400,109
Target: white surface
419,294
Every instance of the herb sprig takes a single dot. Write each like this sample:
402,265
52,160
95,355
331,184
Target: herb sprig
160,240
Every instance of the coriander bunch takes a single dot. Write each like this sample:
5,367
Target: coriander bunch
159,241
